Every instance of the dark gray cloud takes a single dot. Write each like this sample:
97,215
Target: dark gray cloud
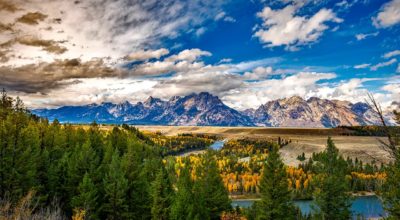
50,46
32,18
3,56
5,27
42,77
7,5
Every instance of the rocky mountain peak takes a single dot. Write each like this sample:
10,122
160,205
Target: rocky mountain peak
152,101
293,100
315,112
206,109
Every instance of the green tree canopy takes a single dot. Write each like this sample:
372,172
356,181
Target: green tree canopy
276,200
332,192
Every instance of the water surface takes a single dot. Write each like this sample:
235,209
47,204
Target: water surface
217,145
366,206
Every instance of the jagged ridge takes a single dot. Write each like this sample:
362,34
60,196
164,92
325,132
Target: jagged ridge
205,109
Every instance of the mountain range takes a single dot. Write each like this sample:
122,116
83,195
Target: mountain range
205,109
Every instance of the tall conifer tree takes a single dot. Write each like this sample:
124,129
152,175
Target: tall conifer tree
276,202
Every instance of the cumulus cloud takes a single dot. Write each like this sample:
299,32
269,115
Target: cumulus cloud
391,54
216,82
185,61
283,27
362,66
189,55
87,83
383,64
393,87
147,54
253,94
393,93
258,73
365,36
389,15
81,58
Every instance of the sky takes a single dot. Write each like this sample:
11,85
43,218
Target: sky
247,52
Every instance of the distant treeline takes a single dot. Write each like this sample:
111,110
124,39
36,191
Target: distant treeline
367,130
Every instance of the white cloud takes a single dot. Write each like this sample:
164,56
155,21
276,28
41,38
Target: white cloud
240,85
253,94
391,54
258,73
200,31
225,60
229,19
362,66
109,28
87,91
389,15
365,36
186,61
189,55
147,54
249,65
283,27
398,68
344,4
220,16
223,16
383,64
393,94
392,88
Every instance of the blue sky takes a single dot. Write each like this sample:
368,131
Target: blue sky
336,50
246,52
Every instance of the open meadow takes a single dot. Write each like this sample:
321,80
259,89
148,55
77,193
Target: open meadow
307,140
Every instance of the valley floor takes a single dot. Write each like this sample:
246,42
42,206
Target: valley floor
307,140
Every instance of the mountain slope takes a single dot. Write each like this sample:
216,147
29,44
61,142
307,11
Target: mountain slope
195,109
205,109
314,112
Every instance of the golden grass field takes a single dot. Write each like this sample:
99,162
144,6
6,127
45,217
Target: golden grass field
307,140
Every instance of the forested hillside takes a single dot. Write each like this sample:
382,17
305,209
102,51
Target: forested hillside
59,171
68,171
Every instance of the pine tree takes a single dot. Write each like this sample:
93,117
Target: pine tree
115,187
212,187
162,196
139,198
182,204
391,188
81,160
276,200
87,197
331,195
200,210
